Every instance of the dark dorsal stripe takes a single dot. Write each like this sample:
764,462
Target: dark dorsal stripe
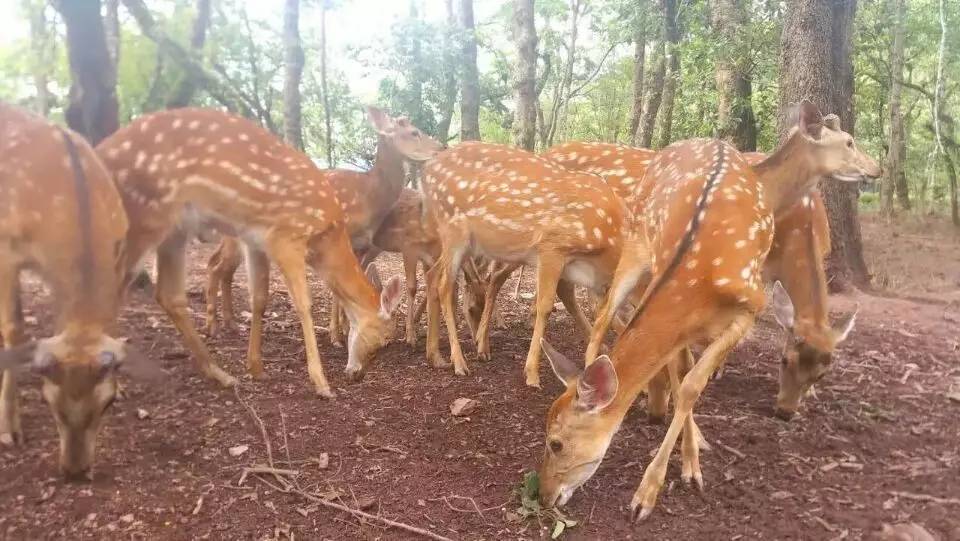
687,239
82,189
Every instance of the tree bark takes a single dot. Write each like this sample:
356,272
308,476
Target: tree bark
470,83
328,126
187,85
42,55
671,34
654,90
734,86
952,176
93,106
639,51
293,72
894,157
816,63
111,25
525,35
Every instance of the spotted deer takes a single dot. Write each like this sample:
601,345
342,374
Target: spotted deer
708,221
801,241
512,206
61,216
229,171
366,199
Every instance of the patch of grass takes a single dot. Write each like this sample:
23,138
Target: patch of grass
529,495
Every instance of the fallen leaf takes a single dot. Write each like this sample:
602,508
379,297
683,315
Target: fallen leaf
366,503
781,495
462,406
238,450
323,461
558,529
829,466
905,532
211,422
128,518
954,396
142,414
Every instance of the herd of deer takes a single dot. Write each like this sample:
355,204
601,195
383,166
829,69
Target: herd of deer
677,244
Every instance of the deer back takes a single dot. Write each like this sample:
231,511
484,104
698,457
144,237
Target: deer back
621,166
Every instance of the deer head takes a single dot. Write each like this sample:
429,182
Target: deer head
79,372
577,434
807,354
367,337
406,138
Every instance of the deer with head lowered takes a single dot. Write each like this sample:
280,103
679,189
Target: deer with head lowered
61,216
512,206
173,165
366,199
708,221
795,262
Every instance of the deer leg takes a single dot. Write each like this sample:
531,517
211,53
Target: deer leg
568,296
448,269
172,297
413,315
11,330
434,357
549,269
336,331
689,446
721,369
258,284
496,282
290,255
693,383
232,261
220,270
633,266
658,397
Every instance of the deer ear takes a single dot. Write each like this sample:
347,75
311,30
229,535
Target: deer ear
810,120
782,306
565,369
373,276
17,356
846,324
598,384
390,296
380,120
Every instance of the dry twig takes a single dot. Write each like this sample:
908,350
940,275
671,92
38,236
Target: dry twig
925,498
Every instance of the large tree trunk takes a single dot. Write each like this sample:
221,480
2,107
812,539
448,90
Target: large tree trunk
816,63
952,176
450,60
293,60
470,84
328,125
93,92
525,35
894,158
188,83
111,25
562,95
41,54
654,90
671,34
734,86
639,51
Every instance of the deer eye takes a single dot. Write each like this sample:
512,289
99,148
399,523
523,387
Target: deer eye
556,446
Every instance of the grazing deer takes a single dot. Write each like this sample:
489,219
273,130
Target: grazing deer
512,206
801,241
61,216
271,197
709,224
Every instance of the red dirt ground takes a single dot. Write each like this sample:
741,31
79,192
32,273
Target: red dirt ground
884,423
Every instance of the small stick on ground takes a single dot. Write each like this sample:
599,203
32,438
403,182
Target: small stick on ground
925,498
732,451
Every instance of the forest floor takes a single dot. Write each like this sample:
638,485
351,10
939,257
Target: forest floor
879,444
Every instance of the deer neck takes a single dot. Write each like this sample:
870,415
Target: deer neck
787,174
388,176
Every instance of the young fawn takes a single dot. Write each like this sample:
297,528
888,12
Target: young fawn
795,262
61,216
177,164
512,206
709,223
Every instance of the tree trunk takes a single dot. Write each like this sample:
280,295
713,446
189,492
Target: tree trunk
293,60
952,176
111,25
470,84
654,90
566,80
93,91
188,83
639,50
450,59
41,52
894,158
671,34
328,126
816,63
734,86
525,35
